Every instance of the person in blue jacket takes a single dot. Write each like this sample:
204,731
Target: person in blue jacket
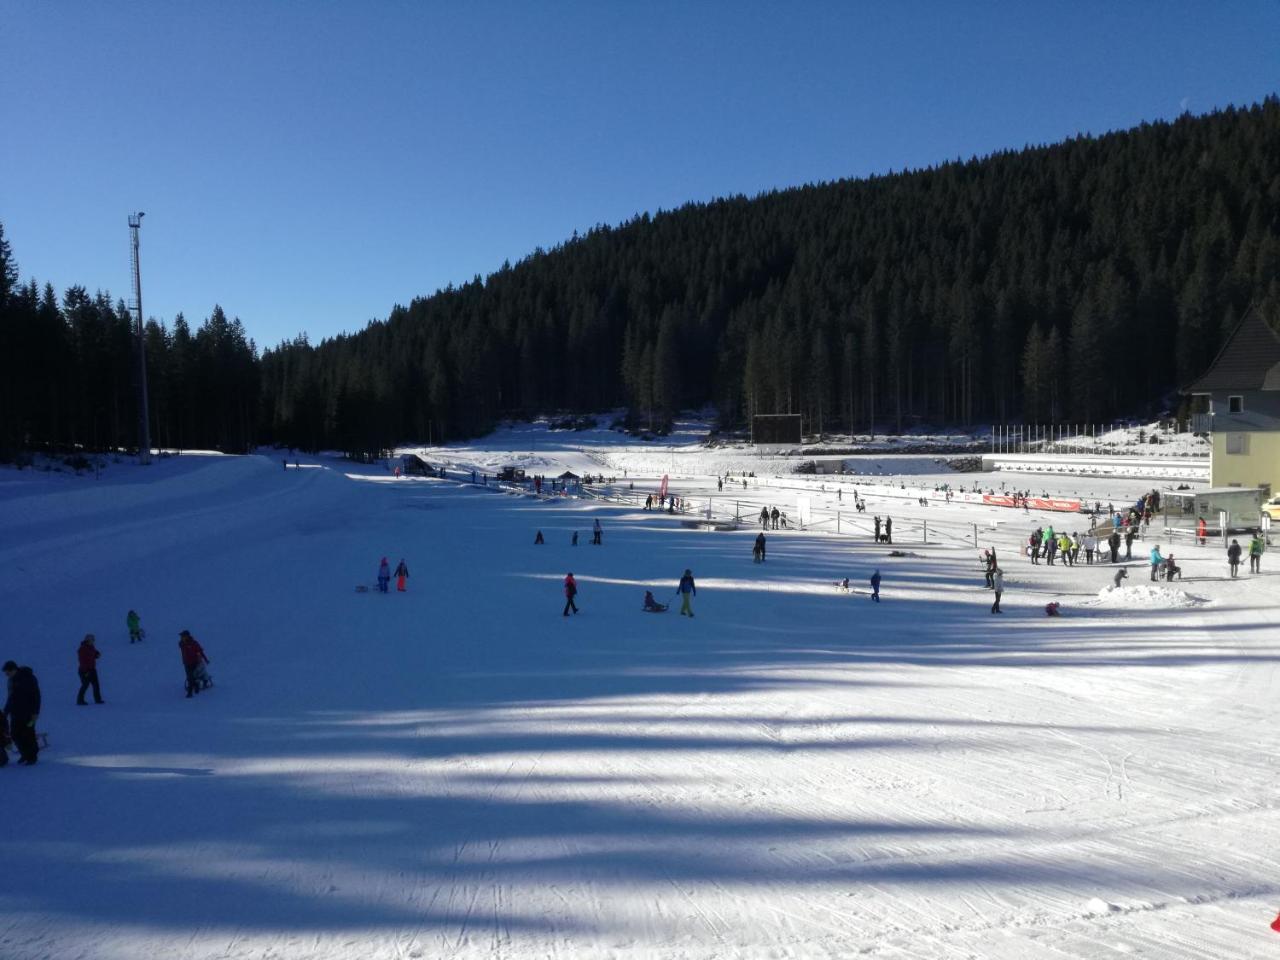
875,586
687,589
1156,560
384,575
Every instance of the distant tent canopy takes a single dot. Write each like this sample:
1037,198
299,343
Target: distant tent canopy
411,463
568,475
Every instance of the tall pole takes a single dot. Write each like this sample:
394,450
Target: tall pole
144,417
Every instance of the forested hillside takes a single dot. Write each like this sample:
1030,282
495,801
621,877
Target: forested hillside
1077,281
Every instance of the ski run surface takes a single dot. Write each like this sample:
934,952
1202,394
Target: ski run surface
461,772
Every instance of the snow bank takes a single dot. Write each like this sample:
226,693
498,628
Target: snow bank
1145,595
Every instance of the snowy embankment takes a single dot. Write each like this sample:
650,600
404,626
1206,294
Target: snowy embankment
460,771
1146,596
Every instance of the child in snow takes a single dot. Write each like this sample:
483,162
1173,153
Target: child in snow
193,661
402,574
875,586
685,589
538,539
134,623
651,604
1051,609
384,575
570,591
88,656
1121,574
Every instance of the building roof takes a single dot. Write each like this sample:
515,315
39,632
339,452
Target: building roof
1249,360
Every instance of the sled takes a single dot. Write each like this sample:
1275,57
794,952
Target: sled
362,588
201,677
656,608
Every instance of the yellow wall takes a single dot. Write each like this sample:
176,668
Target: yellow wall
1260,467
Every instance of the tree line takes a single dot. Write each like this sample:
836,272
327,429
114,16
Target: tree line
1083,280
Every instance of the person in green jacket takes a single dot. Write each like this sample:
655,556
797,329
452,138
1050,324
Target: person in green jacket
135,627
1256,546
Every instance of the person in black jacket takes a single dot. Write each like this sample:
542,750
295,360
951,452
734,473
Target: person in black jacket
23,708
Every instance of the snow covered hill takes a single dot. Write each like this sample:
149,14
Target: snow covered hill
461,771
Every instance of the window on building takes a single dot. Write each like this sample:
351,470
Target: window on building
1235,404
1237,443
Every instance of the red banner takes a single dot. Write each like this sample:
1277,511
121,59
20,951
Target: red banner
662,490
1035,503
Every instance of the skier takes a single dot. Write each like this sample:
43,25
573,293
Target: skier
888,530
757,551
597,533
23,709
384,575
402,574
134,623
538,539
997,584
88,655
1156,560
1256,546
193,659
686,589
1121,574
570,591
1233,557
875,586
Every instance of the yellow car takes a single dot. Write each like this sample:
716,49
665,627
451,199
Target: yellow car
1272,508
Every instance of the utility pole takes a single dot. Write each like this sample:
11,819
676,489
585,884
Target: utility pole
144,417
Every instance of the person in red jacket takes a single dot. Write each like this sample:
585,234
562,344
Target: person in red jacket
88,656
570,591
193,659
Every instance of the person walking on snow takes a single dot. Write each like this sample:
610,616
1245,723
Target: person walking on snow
597,533
877,523
1156,560
1202,531
997,583
764,513
192,659
23,709
402,574
757,551
1128,543
875,586
1114,542
1256,546
134,624
1233,557
88,655
570,591
384,575
888,530
774,515
686,589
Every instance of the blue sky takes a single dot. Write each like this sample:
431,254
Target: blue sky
308,165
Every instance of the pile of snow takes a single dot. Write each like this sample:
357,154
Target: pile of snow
1145,595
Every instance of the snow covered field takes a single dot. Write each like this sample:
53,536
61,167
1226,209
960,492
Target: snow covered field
460,771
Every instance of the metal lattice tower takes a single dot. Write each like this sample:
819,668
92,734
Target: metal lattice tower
135,305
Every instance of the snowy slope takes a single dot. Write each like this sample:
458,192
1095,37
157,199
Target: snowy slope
460,771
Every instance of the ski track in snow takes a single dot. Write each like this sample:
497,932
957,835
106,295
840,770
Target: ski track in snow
461,772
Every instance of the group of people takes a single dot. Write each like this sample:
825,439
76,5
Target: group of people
661,501
1257,545
1047,544
22,704
402,573
883,532
772,519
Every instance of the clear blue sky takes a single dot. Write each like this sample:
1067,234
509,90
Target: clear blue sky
309,164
